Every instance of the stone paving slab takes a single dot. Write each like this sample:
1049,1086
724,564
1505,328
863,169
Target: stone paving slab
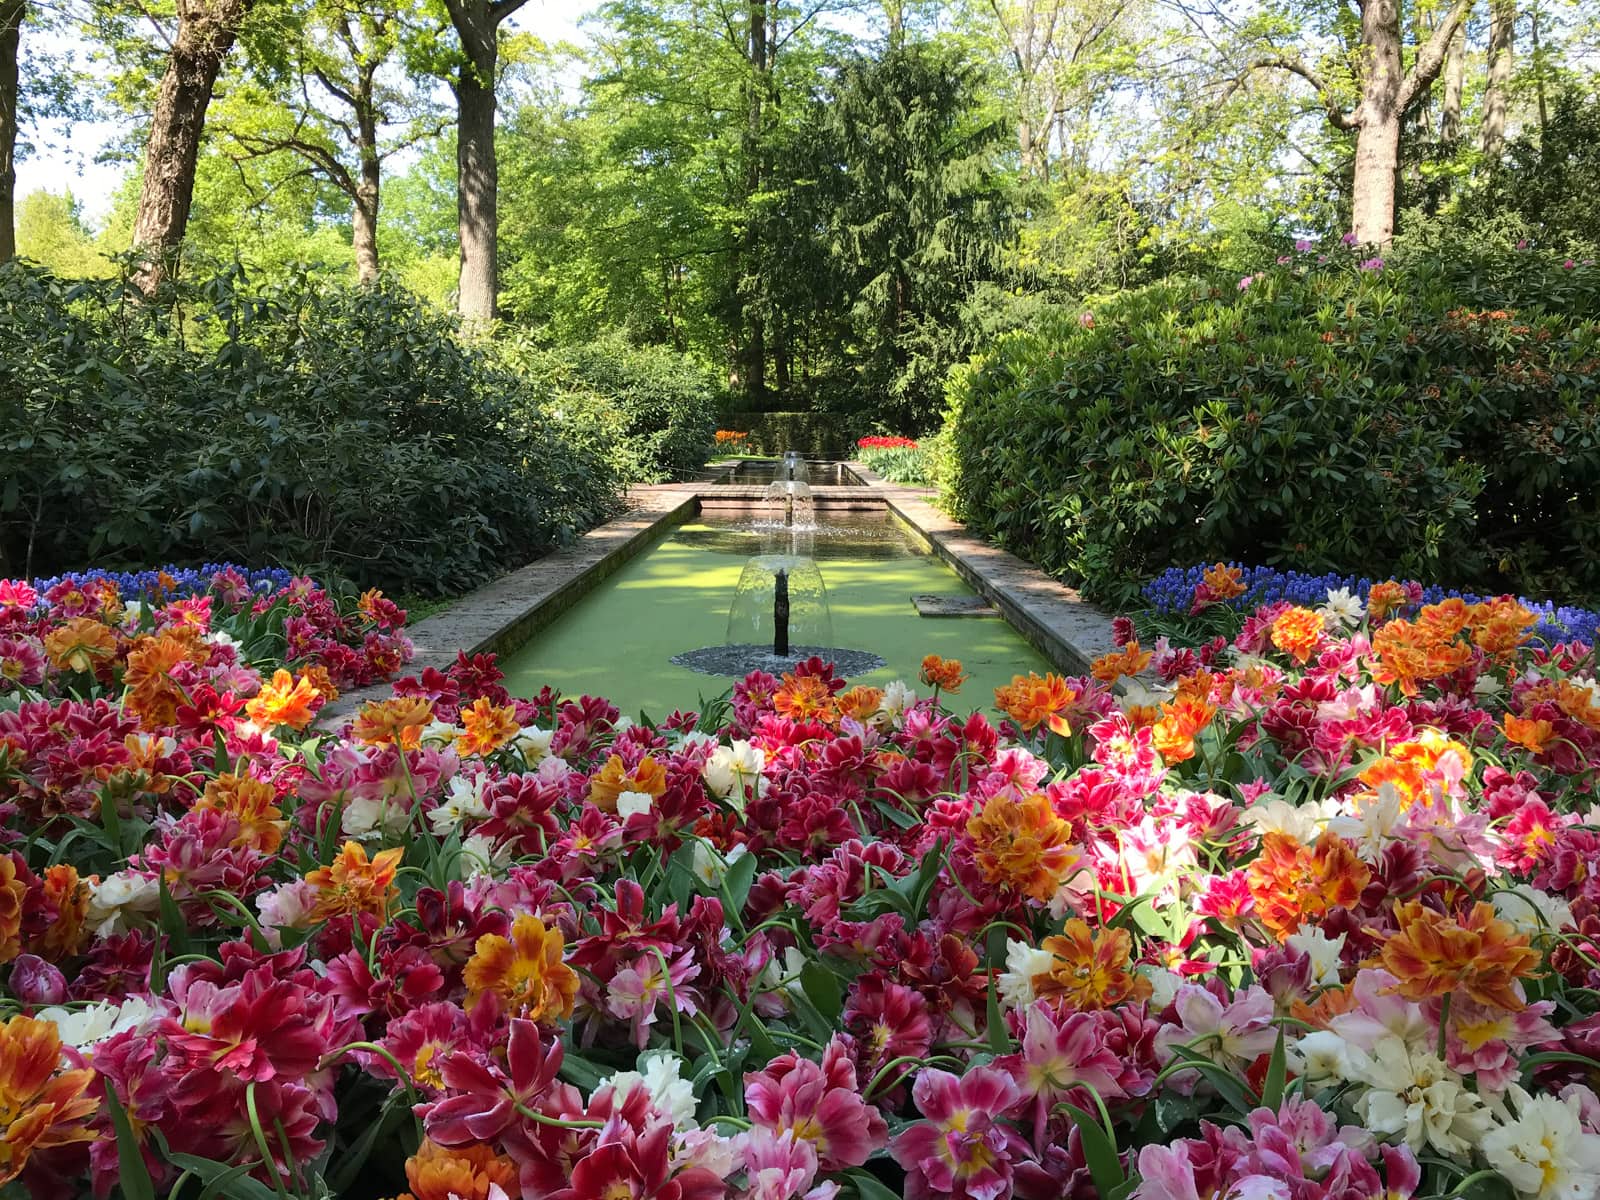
929,605
502,615
1064,627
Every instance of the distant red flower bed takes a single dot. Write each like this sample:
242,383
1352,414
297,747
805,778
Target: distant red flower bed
887,443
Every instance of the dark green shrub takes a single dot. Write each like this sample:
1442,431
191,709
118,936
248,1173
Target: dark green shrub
1438,417
656,408
296,423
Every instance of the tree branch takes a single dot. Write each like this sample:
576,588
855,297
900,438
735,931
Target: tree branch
1337,117
1431,54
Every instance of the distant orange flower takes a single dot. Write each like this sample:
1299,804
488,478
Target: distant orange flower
525,970
1223,582
942,673
152,692
353,884
1292,883
253,804
1444,620
284,701
860,702
1142,716
80,644
398,721
1023,845
1579,703
145,751
1407,778
1181,722
1089,971
467,1172
317,676
13,892
1031,700
486,728
41,1107
68,896
804,698
1130,660
1298,632
1500,626
1410,654
1433,955
614,778
1385,598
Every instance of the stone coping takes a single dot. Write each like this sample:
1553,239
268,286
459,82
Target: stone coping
1064,627
502,615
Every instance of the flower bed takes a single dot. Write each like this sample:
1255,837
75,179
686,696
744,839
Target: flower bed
1317,920
897,459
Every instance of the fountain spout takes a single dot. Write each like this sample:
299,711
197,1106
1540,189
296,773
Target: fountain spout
780,614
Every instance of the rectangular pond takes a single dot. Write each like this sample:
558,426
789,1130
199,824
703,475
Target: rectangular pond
617,641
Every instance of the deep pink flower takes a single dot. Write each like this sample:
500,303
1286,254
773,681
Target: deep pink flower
485,1098
960,1148
819,1103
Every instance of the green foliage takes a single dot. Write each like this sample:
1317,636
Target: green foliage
901,464
298,423
1437,418
50,231
654,410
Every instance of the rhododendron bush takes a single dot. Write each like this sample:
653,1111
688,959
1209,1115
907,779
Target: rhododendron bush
1311,913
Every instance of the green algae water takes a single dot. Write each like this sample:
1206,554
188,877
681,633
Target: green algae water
617,640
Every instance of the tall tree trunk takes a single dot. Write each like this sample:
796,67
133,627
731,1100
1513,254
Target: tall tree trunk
1538,72
478,183
1502,33
755,371
364,226
477,171
11,15
1455,65
1378,138
206,32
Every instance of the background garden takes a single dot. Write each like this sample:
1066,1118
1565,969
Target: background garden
1125,268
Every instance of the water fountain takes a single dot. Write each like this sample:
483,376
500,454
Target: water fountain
789,502
780,616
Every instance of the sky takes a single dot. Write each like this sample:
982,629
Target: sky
65,157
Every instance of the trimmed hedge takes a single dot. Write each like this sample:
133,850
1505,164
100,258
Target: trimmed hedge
1436,416
340,429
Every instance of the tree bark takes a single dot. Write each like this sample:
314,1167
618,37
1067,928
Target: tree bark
477,170
364,223
12,13
755,366
206,32
1502,33
1454,75
1378,137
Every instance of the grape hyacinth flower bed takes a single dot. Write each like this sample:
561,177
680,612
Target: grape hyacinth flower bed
1184,592
1316,916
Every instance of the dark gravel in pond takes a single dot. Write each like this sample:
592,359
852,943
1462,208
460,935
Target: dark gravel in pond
740,660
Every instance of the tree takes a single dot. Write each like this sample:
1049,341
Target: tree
1366,91
477,25
1455,68
207,30
348,103
11,14
51,232
1502,33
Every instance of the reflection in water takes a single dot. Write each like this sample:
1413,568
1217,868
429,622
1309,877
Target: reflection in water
845,536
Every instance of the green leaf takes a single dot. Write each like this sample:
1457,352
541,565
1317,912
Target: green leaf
1277,1075
172,922
221,1179
134,1175
999,1035
821,987
870,1187
1099,1151
741,875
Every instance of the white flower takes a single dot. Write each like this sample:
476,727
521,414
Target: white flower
1531,911
1323,951
1487,685
1374,823
218,638
672,1095
533,743
439,732
730,769
463,800
1303,822
1413,1094
115,896
1164,984
695,738
1342,609
84,1027
1321,1054
785,975
712,867
480,857
364,815
632,804
1544,1152
1023,962
897,697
